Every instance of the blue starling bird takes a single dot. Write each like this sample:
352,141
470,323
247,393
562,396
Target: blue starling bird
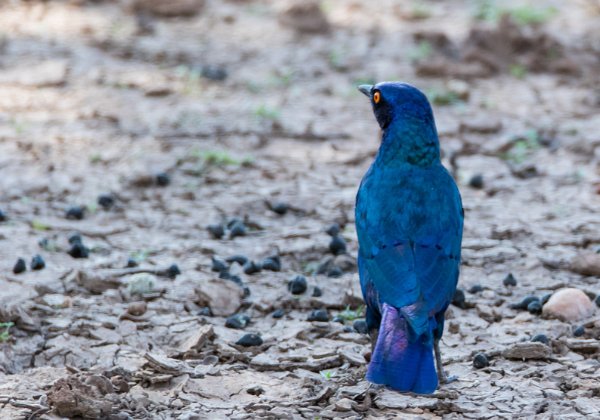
409,222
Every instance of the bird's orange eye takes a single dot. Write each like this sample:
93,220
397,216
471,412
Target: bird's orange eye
376,97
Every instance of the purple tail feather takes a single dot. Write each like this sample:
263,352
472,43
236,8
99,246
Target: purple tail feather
398,363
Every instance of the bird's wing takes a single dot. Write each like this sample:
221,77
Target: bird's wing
411,248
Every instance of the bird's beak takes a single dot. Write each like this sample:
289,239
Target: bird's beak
366,89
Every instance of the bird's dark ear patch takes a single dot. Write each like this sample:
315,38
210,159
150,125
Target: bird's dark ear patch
383,111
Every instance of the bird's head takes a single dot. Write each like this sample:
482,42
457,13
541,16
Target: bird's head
395,101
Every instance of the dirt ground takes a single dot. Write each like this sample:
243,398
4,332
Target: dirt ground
192,113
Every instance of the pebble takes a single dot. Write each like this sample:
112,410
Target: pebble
524,303
337,246
279,208
237,321
317,292
251,267
338,319
360,326
75,213
459,299
140,283
541,338
3,217
217,231
297,285
237,229
218,265
476,181
240,259
535,307
249,340
20,266
333,230
37,262
509,280
79,250
597,301
272,263
579,331
246,291
137,308
173,271
319,315
569,305
279,313
163,179
480,361
106,201
131,263
476,289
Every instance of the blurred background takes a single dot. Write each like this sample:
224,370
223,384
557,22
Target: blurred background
168,134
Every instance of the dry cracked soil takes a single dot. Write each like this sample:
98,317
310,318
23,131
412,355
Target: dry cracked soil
129,127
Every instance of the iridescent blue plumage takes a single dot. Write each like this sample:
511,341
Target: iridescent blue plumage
409,221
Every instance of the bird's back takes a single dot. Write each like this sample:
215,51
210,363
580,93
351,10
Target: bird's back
409,226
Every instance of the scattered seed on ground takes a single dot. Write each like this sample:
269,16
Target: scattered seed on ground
335,272
534,307
337,245
279,313
240,259
218,265
319,315
75,213
480,361
37,262
541,338
237,321
205,311
297,285
217,231
509,280
106,201
163,179
476,181
523,304
280,208
333,230
251,267
79,250
459,299
272,263
173,271
237,229
360,326
475,289
75,239
250,340
545,298
20,266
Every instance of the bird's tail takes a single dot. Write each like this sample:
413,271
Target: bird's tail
402,364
